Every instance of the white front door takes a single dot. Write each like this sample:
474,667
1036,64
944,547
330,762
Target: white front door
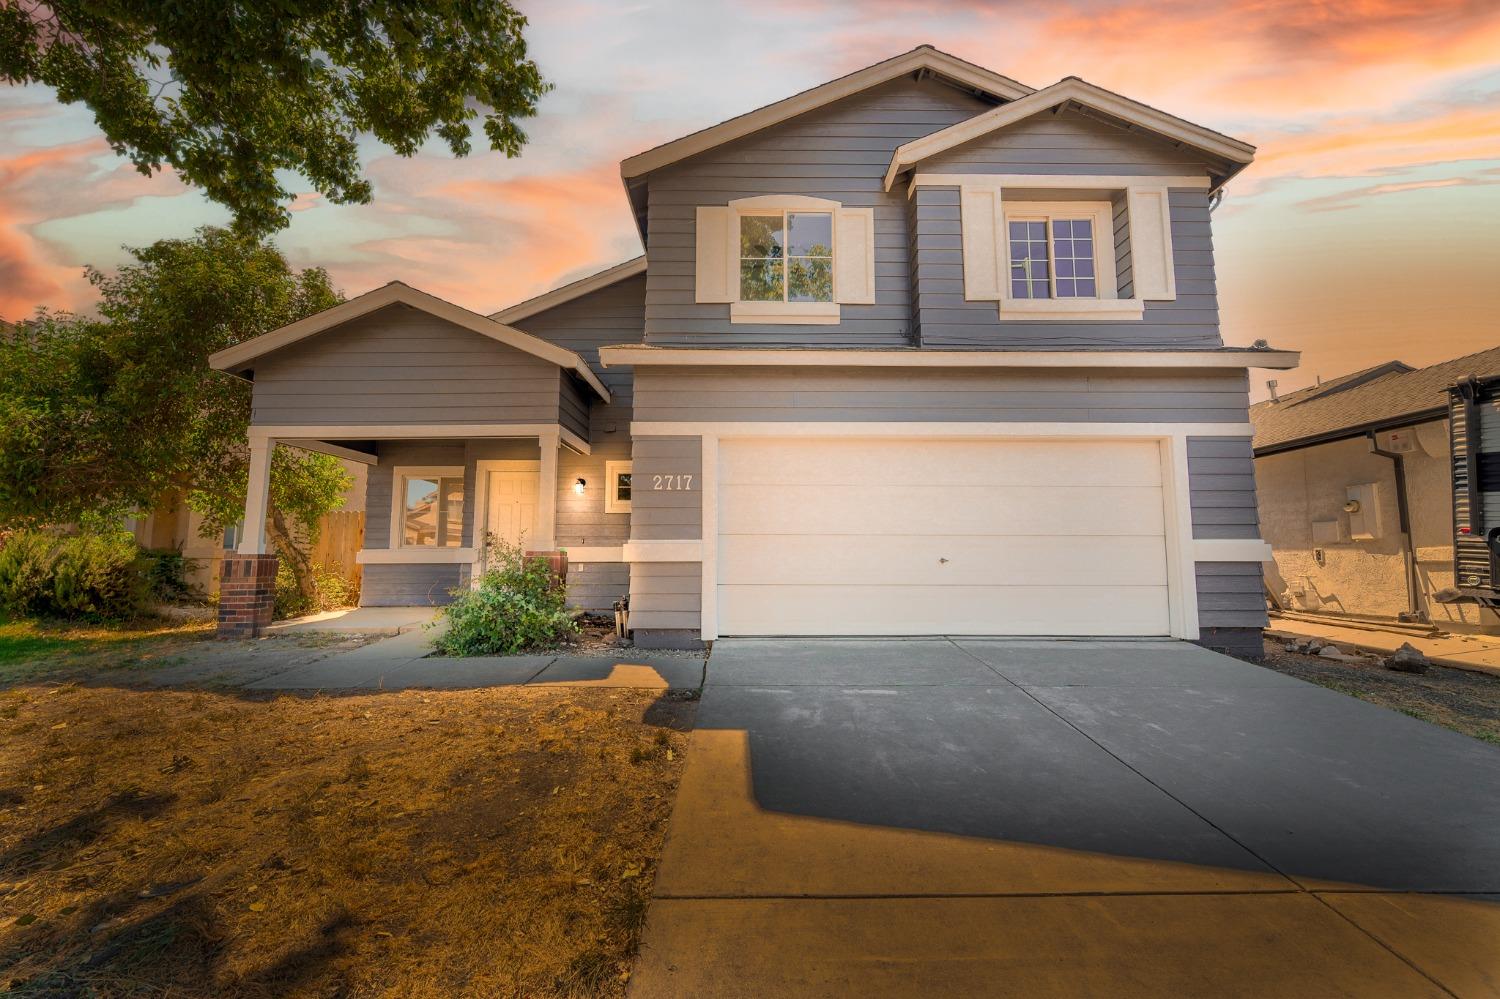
912,537
510,506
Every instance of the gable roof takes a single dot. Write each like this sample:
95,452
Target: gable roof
236,359
923,57
570,291
1386,395
1072,89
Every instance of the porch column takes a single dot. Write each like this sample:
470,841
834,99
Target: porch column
257,496
247,578
546,511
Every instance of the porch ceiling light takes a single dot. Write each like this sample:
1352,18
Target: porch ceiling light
579,485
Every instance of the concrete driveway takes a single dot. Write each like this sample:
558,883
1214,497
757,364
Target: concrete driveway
1065,818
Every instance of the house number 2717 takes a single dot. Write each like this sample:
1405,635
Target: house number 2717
671,482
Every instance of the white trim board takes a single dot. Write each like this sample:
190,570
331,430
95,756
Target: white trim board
568,292
1138,431
415,556
1069,89
924,57
664,551
420,431
593,554
397,293
925,357
1053,182
1231,550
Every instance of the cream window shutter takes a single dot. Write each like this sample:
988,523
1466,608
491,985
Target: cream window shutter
854,256
984,247
1152,270
717,254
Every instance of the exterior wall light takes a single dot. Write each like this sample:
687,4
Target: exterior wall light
579,485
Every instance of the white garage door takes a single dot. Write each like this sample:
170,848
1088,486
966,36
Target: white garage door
913,537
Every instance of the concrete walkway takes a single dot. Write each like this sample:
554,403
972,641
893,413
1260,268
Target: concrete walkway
989,817
405,662
1480,653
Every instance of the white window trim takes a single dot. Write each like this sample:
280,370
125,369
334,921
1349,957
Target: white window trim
782,313
612,470
398,505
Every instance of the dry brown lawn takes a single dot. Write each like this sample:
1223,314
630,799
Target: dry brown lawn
468,843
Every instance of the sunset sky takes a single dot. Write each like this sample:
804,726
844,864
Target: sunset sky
1367,229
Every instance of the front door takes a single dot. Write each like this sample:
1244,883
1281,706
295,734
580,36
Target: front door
511,506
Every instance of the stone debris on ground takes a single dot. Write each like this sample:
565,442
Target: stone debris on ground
1408,659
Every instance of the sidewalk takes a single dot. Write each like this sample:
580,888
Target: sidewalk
1480,653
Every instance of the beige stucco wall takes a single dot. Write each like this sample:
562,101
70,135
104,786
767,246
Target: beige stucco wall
1362,576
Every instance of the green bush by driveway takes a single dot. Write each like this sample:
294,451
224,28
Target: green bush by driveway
517,607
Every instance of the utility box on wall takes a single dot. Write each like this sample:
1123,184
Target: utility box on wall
1362,505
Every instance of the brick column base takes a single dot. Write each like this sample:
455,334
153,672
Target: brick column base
247,595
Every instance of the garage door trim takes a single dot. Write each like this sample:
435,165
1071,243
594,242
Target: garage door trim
1170,437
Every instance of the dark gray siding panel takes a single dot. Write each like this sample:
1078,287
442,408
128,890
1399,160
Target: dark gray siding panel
595,586
1068,143
838,152
946,319
926,394
666,595
663,514
410,585
1231,595
1221,480
400,365
573,404
611,315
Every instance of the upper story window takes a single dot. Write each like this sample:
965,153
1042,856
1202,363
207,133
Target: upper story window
786,257
1053,256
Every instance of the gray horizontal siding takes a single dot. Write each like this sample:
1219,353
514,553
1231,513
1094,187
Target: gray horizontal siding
573,404
661,514
596,586
1221,481
838,152
400,365
925,394
666,596
1068,143
410,585
945,319
1230,595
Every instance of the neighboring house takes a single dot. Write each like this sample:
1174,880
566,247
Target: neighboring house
172,524
918,351
1355,484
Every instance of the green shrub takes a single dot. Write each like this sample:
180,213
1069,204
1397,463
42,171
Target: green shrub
94,575
335,590
517,607
166,573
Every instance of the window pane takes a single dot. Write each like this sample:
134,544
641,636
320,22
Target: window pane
761,236
451,513
419,526
810,279
810,234
622,487
1073,255
760,280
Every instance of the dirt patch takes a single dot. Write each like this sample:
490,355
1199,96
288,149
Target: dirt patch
191,843
1456,699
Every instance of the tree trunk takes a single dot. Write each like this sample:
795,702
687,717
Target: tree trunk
295,558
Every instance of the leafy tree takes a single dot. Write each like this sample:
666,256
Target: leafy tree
226,94
100,416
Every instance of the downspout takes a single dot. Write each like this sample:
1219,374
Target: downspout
1403,518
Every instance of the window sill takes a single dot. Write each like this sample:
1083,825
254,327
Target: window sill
787,313
1072,310
415,556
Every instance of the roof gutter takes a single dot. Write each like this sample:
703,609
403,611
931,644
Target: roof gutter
1350,433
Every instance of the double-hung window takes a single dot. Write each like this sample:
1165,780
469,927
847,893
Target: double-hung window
1058,252
786,257
429,508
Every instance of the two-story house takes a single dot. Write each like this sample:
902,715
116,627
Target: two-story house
918,351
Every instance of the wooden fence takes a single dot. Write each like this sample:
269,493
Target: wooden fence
341,537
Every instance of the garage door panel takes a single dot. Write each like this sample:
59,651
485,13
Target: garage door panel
1047,560
952,462
963,610
946,510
